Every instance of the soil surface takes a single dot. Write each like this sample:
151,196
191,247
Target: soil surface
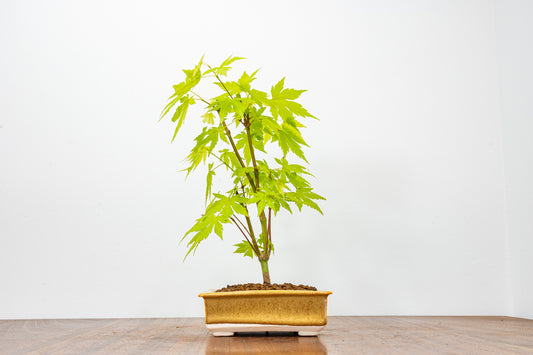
254,287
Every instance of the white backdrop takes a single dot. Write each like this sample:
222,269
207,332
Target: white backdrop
514,33
408,152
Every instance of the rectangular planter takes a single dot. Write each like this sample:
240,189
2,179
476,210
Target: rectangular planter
274,310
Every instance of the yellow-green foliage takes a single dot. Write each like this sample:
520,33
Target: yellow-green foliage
237,124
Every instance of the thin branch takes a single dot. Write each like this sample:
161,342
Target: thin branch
225,88
198,96
223,162
236,151
252,150
238,226
235,119
218,166
254,247
242,224
269,230
249,222
252,236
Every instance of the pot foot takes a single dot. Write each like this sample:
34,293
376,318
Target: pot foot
223,334
229,329
306,333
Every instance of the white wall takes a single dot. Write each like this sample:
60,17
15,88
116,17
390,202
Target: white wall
515,30
408,152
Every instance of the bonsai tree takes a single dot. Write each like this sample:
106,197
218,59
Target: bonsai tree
240,127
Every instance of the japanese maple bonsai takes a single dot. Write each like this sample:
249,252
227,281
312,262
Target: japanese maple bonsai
251,135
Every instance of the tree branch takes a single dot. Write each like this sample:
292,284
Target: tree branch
198,96
254,248
252,151
236,151
229,167
269,230
249,223
242,224
225,88
252,236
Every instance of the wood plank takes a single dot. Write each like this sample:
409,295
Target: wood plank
343,335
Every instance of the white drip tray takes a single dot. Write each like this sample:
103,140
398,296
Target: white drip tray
229,329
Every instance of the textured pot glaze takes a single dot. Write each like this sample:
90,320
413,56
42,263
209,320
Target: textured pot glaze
304,308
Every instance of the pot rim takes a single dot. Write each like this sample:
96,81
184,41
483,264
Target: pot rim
264,293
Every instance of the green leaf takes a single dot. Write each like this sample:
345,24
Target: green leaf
285,205
282,142
230,205
305,196
180,90
205,144
238,108
183,88
290,94
210,174
224,67
278,93
223,71
229,158
314,196
312,204
287,142
241,140
244,248
245,80
203,229
212,219
241,172
230,60
219,229
274,204
293,131
259,97
224,105
282,104
276,89
208,118
261,206
196,73
258,144
270,124
180,113
297,109
238,208
168,107
297,181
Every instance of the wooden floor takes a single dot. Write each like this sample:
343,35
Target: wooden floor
343,335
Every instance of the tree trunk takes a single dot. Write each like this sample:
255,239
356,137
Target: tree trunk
266,274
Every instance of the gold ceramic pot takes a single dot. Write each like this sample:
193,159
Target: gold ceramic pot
304,312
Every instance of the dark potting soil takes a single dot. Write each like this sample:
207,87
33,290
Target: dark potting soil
254,287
